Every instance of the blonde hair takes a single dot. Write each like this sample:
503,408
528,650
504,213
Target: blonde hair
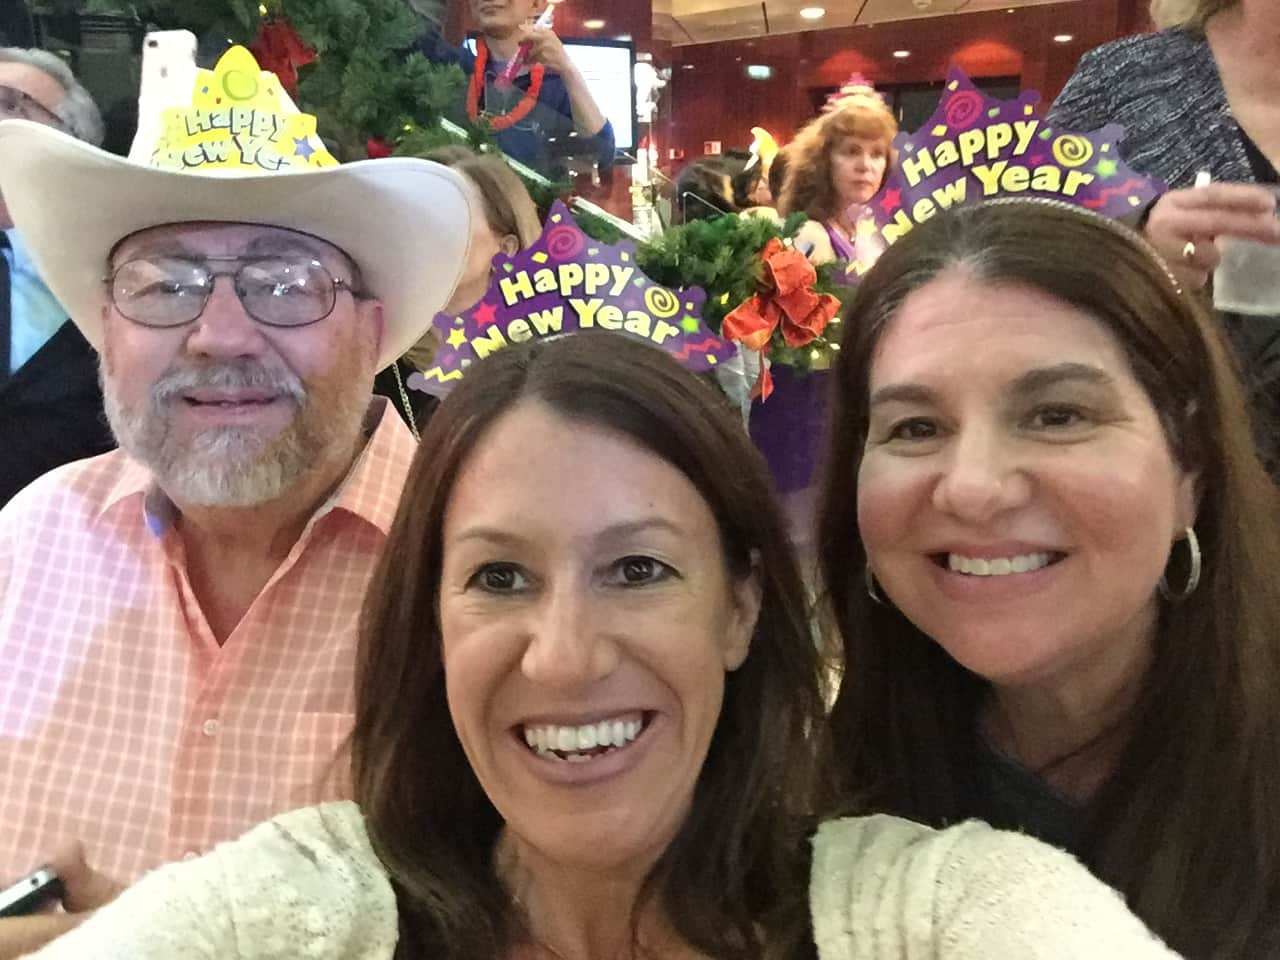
507,204
808,185
508,209
1191,14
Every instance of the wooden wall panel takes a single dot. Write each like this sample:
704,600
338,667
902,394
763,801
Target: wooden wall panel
711,99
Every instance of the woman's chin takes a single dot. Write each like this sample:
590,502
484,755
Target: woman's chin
595,844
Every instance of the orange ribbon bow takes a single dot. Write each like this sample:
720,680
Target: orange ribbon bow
786,299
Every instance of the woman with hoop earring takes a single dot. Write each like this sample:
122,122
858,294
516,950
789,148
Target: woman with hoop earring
1051,551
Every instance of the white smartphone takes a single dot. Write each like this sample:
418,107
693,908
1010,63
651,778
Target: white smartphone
168,75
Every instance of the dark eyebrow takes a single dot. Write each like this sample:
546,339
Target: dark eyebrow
282,244
489,535
167,247
1031,382
1034,381
269,245
619,531
903,393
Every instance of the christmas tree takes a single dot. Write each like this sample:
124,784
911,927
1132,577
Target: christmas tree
352,60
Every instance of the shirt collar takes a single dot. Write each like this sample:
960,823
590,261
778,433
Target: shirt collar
134,481
370,490
21,259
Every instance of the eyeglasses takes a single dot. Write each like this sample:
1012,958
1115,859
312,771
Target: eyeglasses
275,291
17,104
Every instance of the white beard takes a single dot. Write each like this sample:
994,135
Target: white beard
237,466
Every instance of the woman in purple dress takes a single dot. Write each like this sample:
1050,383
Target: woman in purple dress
838,163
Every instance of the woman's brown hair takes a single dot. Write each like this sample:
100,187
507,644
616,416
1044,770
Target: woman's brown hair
1186,825
508,208
734,880
808,186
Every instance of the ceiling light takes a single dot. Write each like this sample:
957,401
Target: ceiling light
902,54
688,66
593,24
812,13
1063,38
759,71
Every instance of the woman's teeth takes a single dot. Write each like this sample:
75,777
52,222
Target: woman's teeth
581,743
999,566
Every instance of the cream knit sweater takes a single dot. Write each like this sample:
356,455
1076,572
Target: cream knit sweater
307,885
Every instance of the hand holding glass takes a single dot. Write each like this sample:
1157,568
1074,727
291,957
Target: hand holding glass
1248,278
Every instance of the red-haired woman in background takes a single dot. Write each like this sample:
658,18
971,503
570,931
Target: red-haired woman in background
835,166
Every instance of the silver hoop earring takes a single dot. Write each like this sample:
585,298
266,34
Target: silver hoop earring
870,577
1193,573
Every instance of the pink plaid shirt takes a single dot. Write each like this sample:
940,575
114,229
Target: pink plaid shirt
123,724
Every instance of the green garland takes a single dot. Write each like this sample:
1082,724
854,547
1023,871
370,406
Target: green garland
722,256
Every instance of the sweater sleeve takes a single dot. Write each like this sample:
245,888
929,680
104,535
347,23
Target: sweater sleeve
304,885
1087,102
884,888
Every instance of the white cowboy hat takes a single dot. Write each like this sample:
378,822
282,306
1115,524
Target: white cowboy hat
406,223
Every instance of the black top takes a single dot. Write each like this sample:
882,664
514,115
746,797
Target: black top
1014,798
51,411
1263,169
6,325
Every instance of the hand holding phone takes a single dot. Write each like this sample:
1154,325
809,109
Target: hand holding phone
32,893
509,73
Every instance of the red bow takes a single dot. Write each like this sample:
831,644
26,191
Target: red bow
280,50
786,298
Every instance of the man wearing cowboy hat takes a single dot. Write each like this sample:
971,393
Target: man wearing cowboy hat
177,618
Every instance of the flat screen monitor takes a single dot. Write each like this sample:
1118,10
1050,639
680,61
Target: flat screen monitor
609,69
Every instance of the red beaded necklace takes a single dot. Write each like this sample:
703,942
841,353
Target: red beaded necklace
522,109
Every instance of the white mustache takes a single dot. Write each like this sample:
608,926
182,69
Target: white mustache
243,375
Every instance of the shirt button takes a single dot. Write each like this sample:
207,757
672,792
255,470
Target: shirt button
210,728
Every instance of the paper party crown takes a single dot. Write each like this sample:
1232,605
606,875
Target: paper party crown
239,120
977,148
563,283
856,90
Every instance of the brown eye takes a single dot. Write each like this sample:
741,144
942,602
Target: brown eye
500,578
638,571
1057,417
914,429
